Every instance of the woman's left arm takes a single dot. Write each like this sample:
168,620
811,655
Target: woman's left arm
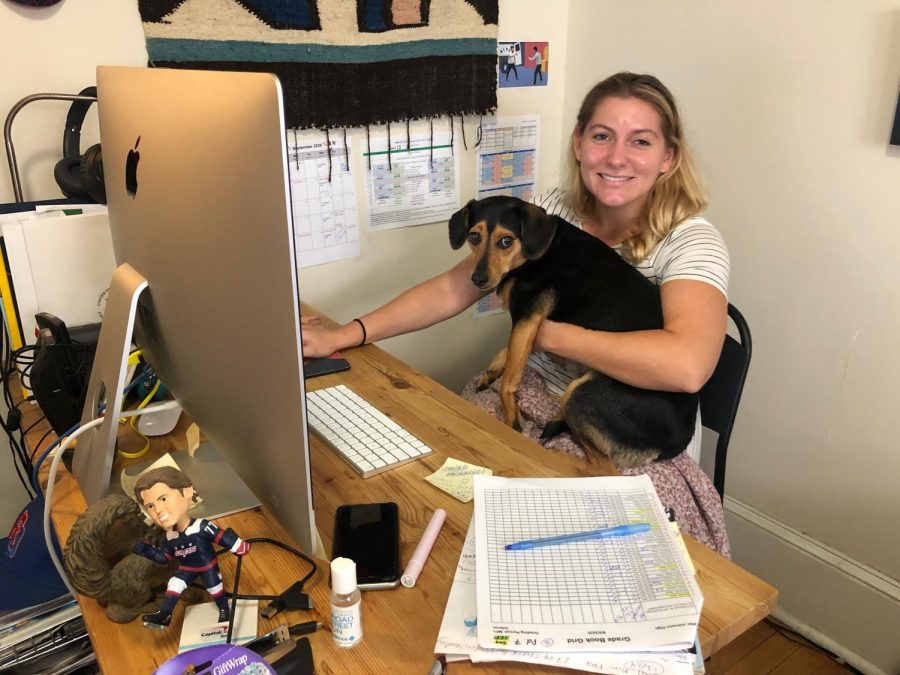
680,356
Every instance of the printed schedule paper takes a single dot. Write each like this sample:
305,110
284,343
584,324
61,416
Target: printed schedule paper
417,183
628,593
323,199
507,157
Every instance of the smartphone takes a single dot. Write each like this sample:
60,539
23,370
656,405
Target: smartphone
369,534
324,366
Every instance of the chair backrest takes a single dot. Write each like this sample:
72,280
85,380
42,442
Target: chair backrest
720,396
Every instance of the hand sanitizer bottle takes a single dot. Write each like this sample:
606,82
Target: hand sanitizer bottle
346,605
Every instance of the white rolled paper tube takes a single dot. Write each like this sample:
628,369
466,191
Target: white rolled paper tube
420,555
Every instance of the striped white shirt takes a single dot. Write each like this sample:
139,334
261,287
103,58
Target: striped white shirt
694,250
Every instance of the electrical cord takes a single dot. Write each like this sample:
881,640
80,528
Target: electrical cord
22,366
21,475
36,466
790,634
48,498
37,446
20,459
12,424
235,596
35,481
133,425
31,426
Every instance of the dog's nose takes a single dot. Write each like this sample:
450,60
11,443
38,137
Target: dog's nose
479,279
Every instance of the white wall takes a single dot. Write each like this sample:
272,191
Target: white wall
789,106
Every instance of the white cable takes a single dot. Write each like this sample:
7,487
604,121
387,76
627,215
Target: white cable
51,479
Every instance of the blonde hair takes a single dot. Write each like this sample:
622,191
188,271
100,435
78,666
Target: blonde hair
677,195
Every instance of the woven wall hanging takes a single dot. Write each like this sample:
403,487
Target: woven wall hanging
342,63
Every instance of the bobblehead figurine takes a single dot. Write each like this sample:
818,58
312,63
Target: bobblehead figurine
166,494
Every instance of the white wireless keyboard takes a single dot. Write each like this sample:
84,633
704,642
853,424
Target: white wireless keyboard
366,438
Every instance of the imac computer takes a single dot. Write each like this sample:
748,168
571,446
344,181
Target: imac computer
200,213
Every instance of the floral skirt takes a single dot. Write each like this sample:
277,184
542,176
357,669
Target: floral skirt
680,482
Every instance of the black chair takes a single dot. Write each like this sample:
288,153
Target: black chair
720,396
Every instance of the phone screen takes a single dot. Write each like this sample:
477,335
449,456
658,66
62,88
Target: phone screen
369,534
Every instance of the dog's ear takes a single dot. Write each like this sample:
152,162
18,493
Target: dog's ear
459,226
538,230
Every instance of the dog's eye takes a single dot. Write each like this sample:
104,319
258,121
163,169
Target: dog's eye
474,238
505,242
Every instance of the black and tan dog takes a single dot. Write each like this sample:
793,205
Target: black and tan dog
543,267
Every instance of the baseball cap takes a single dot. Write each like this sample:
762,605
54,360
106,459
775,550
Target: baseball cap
27,574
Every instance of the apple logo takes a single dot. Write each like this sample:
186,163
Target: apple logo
131,163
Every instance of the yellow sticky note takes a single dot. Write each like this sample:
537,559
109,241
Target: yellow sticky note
455,478
193,439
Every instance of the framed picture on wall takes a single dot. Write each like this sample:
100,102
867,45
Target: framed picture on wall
895,132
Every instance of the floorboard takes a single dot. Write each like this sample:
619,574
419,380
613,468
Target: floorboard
769,648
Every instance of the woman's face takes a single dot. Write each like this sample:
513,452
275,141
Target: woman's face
622,152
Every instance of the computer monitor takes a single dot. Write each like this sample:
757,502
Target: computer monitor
199,208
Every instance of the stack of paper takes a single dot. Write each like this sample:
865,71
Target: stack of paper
602,605
202,627
44,638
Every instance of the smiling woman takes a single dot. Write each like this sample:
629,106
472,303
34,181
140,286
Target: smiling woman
639,105
621,153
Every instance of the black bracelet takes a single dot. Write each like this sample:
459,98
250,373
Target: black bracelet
363,326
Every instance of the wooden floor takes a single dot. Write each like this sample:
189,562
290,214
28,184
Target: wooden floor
769,648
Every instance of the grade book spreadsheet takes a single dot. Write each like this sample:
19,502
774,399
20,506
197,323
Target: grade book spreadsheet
627,593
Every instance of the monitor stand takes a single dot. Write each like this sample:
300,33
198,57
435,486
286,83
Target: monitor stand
213,478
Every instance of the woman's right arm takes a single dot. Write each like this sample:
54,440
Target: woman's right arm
424,305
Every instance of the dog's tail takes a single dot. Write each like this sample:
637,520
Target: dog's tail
554,428
101,537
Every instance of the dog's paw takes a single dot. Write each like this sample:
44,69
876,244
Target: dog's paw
487,378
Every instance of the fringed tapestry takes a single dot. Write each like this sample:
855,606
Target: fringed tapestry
342,63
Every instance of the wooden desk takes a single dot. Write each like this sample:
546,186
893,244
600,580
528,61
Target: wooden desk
400,626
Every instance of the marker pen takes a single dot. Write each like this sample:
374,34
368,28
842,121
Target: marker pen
420,555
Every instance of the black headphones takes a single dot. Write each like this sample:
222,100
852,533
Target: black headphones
80,175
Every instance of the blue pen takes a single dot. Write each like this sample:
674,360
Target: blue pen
605,533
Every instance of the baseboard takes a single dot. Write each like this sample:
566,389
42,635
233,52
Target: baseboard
840,603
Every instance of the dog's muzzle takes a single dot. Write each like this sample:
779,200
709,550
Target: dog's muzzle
480,280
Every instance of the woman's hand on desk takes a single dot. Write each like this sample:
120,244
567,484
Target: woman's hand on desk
319,341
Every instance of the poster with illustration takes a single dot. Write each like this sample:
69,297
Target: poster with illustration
523,64
895,133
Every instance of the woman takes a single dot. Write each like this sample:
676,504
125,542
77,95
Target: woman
634,186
